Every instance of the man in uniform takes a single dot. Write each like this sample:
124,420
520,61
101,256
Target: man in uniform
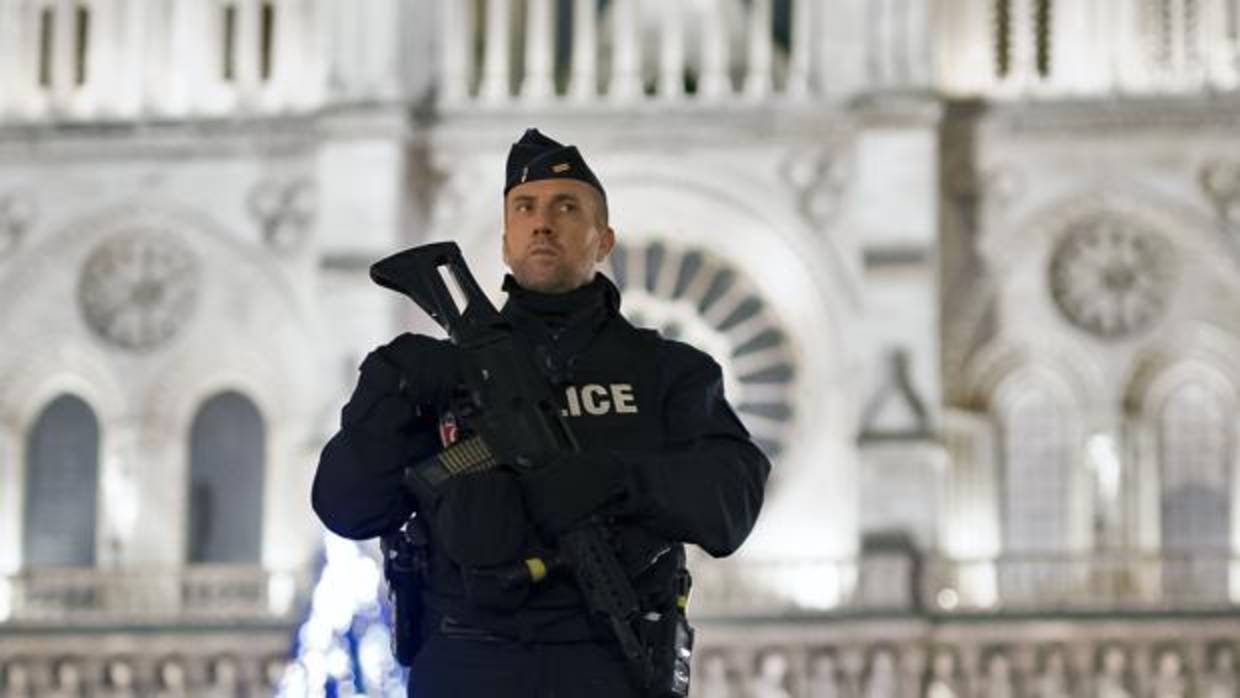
664,461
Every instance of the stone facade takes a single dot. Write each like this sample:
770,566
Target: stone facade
970,268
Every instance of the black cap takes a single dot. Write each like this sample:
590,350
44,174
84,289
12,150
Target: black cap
536,157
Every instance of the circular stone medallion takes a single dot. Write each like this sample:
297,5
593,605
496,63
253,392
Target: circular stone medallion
1111,277
137,289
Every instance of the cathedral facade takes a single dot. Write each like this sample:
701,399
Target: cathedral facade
972,269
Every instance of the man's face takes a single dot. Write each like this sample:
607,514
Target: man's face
553,234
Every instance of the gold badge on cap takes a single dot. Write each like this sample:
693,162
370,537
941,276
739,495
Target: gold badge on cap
562,167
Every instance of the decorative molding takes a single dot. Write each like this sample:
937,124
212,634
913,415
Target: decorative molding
1220,181
896,396
17,214
820,177
284,211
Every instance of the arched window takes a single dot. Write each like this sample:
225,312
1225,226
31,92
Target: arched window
1194,444
1037,472
1195,480
62,479
226,481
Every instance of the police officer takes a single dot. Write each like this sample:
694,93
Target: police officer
664,461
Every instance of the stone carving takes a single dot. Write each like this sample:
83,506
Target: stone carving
1111,277
1169,680
1221,681
1110,682
770,677
171,680
998,677
1220,180
284,211
882,681
118,680
138,289
223,678
714,682
66,679
15,680
16,217
820,179
823,677
895,409
942,682
1053,681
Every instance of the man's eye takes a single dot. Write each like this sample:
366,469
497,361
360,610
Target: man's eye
568,206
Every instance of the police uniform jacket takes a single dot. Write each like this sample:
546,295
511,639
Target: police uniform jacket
690,473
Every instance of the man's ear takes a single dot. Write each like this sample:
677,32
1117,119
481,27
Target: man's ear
503,243
606,244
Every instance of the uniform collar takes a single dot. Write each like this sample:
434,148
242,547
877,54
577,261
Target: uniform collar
599,298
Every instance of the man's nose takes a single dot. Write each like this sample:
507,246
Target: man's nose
542,225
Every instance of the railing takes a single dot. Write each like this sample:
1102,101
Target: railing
143,59
197,594
708,51
881,583
1132,657
894,583
1100,582
1050,48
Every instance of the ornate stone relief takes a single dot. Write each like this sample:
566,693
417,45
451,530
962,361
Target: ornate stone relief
820,178
1111,277
1220,180
138,289
284,211
16,216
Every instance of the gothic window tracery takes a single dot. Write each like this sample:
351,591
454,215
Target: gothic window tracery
1037,458
227,457
1194,448
62,475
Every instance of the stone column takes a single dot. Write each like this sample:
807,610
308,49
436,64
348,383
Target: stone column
1221,46
495,81
671,51
714,82
64,44
455,57
803,18
584,83
626,78
758,68
537,83
13,67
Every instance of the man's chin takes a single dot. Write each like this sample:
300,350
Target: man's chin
545,283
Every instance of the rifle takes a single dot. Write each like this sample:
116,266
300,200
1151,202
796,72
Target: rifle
510,417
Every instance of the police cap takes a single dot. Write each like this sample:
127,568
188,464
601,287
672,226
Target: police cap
536,157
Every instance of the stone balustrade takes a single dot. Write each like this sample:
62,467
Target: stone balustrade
1029,658
203,594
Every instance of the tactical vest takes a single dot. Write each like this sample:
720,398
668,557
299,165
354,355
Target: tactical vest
612,397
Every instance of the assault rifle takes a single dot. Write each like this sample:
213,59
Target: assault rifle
511,417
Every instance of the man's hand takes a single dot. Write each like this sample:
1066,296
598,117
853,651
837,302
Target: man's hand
479,519
568,487
430,368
